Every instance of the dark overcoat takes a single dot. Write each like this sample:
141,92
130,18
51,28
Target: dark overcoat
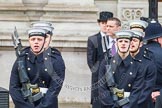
47,70
94,56
127,75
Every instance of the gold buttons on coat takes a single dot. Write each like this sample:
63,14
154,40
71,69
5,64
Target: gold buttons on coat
130,73
45,58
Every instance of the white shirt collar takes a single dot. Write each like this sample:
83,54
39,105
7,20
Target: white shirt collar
111,39
102,33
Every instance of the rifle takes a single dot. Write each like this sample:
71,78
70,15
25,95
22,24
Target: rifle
24,79
16,42
117,94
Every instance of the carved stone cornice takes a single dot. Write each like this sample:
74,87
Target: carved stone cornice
132,13
131,10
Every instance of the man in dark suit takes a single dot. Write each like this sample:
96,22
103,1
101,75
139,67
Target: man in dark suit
95,55
153,36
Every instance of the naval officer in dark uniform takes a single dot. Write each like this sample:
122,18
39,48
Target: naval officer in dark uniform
43,67
126,73
149,69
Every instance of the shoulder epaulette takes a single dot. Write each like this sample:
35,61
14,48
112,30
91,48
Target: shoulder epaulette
147,53
138,60
24,51
55,51
147,57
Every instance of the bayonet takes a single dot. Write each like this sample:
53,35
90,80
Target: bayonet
16,42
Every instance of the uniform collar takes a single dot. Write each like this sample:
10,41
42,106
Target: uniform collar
47,52
39,57
138,56
127,61
32,57
117,59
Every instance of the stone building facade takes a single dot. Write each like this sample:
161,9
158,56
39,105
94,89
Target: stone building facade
74,21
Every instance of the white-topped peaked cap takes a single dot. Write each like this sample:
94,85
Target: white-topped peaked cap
138,24
36,32
138,34
49,29
44,25
124,34
41,23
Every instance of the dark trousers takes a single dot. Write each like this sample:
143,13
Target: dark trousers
147,104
